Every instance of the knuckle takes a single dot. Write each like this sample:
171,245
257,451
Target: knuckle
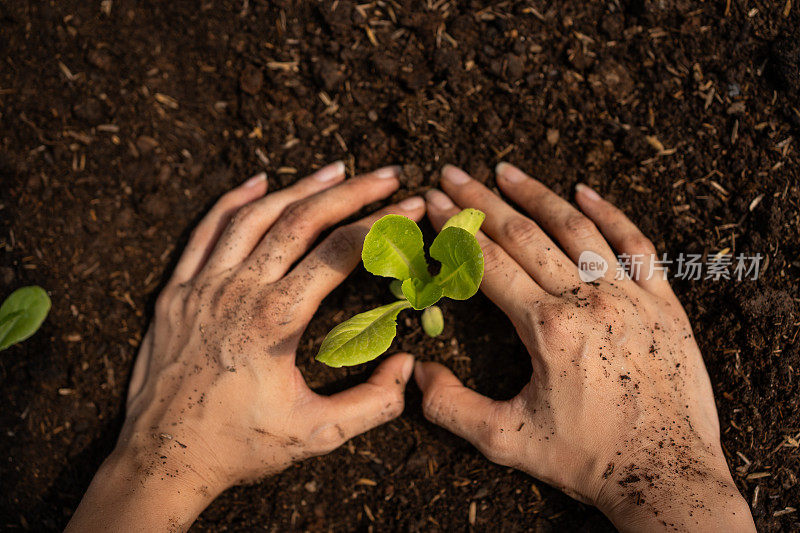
580,226
164,301
492,255
286,308
432,404
521,230
346,239
494,445
638,243
602,303
472,193
395,406
297,215
328,438
219,301
495,439
171,302
224,300
247,211
243,214
549,318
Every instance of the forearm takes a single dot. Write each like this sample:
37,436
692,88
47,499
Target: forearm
124,496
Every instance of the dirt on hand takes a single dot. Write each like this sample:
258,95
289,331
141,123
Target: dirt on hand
120,122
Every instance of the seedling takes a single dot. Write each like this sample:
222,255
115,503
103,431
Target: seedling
394,248
21,315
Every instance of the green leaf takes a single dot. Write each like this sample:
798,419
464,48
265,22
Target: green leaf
8,321
421,293
361,338
468,219
433,321
394,248
21,314
462,262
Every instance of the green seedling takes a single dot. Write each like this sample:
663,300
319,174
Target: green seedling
394,248
21,315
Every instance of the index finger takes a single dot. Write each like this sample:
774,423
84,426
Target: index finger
518,235
575,232
327,265
505,282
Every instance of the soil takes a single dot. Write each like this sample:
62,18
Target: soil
121,122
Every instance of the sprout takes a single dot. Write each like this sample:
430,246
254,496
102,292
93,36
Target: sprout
21,314
394,248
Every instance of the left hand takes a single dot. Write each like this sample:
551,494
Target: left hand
619,410
215,398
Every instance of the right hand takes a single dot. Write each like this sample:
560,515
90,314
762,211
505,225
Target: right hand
619,411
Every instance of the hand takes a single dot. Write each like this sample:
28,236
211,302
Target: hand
215,398
619,411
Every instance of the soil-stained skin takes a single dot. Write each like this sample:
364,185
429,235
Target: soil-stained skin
101,183
216,399
602,346
231,322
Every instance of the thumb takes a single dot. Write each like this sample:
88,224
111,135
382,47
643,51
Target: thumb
472,416
342,416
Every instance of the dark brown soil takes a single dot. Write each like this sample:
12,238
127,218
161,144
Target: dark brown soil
119,128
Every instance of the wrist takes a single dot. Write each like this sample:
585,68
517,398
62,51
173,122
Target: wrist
684,494
135,490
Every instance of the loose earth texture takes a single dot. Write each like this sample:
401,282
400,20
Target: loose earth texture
121,121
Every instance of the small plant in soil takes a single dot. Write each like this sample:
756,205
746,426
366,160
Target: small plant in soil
394,248
21,315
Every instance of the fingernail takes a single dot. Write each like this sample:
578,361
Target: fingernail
408,367
330,172
439,199
387,172
255,180
455,175
411,204
507,172
587,192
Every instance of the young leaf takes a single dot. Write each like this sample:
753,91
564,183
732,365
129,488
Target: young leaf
394,248
396,288
468,219
462,262
361,338
21,314
421,293
433,321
